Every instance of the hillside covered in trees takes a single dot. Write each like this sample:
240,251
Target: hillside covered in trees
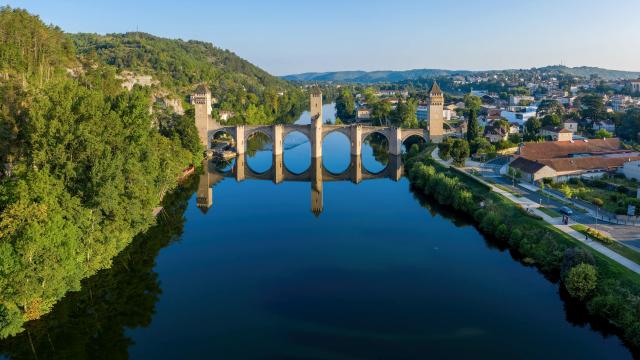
237,85
84,160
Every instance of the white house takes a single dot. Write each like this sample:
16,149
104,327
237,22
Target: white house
519,114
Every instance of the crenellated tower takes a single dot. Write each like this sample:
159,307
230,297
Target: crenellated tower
316,122
435,115
201,101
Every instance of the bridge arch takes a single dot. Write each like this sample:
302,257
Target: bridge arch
213,134
259,151
336,145
296,152
375,156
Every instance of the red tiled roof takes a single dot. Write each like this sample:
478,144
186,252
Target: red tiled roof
561,149
586,163
526,165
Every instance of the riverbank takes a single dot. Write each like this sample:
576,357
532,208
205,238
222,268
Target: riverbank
616,296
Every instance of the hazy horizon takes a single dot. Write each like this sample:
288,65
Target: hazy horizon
291,37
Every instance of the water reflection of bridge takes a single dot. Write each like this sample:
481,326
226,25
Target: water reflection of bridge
316,174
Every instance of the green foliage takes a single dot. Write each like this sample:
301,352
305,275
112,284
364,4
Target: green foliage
31,50
88,165
581,281
602,133
473,128
380,111
630,125
459,151
472,102
592,106
531,128
345,105
575,256
237,85
551,106
405,114
551,120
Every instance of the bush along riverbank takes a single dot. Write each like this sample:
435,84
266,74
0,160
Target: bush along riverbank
607,290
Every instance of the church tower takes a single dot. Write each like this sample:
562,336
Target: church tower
201,101
435,116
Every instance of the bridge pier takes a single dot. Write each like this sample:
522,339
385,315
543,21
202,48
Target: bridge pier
240,139
316,137
356,140
278,140
395,141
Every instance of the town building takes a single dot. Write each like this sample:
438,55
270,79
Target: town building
562,160
519,114
516,100
363,113
556,133
635,86
570,125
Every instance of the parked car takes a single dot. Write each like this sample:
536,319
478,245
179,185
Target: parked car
565,210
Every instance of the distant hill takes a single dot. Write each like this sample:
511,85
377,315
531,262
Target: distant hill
396,76
587,71
371,76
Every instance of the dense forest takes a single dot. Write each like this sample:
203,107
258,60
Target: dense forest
85,160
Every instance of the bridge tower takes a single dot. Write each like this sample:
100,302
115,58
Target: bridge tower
201,101
316,123
435,115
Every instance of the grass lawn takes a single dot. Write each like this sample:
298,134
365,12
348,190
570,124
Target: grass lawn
621,249
550,212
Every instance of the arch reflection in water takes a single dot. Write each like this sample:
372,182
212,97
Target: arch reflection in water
316,175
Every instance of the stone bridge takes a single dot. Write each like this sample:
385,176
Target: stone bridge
316,132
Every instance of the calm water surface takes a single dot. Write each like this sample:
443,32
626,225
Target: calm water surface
370,271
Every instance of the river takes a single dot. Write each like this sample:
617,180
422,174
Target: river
336,270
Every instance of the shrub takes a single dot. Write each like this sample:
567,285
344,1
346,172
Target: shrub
597,202
573,257
581,280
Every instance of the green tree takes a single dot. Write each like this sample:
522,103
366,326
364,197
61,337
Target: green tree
592,106
472,102
345,105
459,151
405,114
551,120
602,133
531,128
473,128
381,112
550,106
581,281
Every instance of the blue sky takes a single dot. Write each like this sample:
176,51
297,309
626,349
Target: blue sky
287,36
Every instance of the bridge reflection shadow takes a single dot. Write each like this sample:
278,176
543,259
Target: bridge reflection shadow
316,175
